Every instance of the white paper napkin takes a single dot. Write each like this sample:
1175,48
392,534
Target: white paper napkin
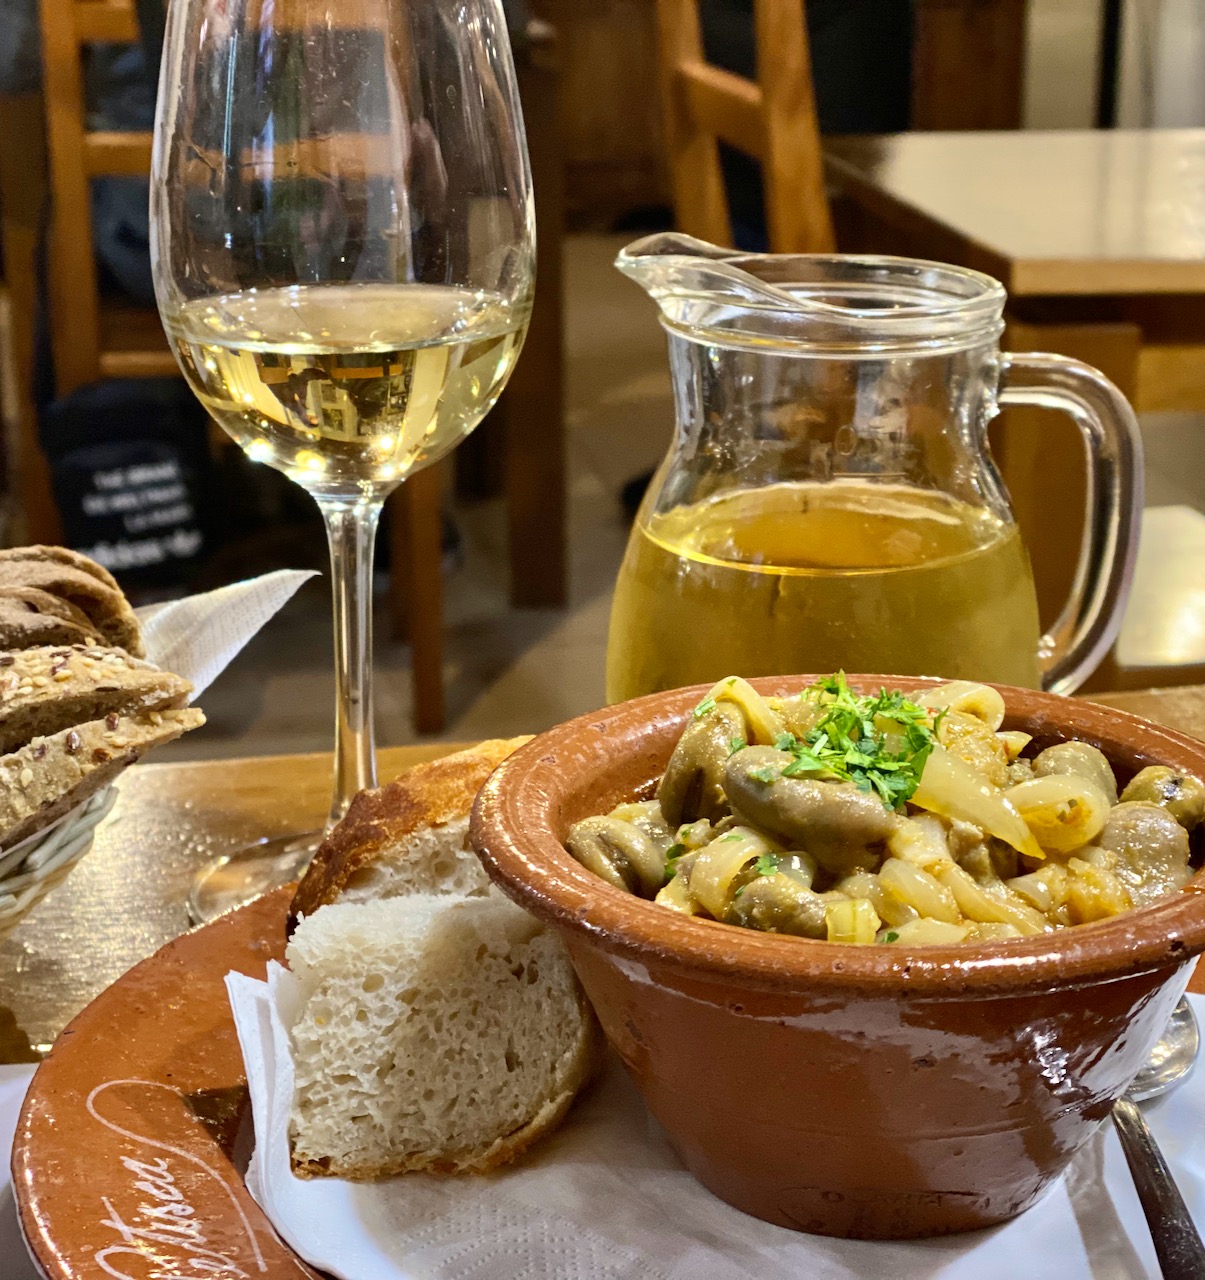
605,1198
198,637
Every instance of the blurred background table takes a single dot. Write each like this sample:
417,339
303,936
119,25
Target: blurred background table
126,898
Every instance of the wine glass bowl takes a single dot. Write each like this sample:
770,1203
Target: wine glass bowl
343,251
370,389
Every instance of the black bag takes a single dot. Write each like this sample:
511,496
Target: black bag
129,459
129,464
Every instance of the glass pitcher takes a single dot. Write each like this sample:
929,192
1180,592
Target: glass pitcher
829,499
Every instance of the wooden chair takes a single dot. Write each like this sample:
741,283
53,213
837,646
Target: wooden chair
967,68
91,339
772,119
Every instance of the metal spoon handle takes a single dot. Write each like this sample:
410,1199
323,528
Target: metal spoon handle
1177,1244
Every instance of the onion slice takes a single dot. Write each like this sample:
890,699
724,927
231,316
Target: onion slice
950,787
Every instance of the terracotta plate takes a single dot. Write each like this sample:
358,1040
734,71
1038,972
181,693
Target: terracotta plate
130,1150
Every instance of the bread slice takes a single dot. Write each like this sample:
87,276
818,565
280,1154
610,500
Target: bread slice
61,555
31,617
51,775
407,837
48,689
104,604
441,1027
437,1032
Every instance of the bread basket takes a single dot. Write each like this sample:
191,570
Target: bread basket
30,869
196,637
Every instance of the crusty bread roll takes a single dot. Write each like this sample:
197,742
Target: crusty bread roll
408,836
441,1027
438,1032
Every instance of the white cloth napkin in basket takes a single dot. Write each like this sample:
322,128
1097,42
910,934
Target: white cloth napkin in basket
605,1198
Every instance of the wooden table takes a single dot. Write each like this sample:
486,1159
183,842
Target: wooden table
1099,237
126,898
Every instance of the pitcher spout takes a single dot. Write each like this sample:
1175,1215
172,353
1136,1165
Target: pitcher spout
670,266
874,303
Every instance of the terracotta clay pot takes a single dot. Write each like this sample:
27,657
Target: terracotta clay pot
861,1091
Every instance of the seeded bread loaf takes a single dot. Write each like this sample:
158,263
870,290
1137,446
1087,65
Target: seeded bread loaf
49,776
51,688
440,1026
61,555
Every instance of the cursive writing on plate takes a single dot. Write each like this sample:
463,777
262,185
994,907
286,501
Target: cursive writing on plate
164,1217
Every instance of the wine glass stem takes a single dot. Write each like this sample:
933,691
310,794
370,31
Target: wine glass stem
351,529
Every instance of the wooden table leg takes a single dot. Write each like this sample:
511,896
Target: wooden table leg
1041,453
416,557
534,411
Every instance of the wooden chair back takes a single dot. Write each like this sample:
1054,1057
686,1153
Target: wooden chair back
89,341
772,118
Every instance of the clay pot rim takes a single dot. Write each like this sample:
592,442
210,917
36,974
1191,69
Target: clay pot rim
512,831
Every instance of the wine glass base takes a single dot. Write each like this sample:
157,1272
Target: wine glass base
237,878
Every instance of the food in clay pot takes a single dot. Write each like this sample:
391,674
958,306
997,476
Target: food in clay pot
870,818
935,1020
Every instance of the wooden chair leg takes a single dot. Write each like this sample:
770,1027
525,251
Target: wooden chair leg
416,589
534,410
22,194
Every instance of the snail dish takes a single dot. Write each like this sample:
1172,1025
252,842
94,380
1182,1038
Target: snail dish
905,820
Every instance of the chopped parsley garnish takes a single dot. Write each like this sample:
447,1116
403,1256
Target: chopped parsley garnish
891,937
732,835
767,865
735,745
764,773
878,742
672,854
708,704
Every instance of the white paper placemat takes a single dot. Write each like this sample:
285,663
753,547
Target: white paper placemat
605,1198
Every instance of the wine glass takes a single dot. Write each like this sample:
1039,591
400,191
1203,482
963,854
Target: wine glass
343,249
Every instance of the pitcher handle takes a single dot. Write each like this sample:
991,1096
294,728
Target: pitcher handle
1090,620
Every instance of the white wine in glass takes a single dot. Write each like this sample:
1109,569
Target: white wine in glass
343,249
348,385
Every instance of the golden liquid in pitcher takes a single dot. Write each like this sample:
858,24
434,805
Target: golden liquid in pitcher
812,577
